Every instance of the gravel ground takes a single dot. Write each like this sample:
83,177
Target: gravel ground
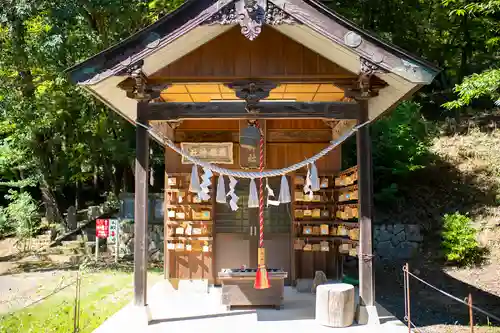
20,290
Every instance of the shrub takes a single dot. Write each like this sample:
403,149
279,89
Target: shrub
22,213
459,240
5,224
112,202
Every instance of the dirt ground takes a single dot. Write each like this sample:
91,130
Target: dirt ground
25,279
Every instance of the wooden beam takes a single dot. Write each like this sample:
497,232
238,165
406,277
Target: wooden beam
267,110
273,136
141,208
365,181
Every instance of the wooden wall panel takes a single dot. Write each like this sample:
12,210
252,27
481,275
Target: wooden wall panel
272,55
279,155
302,124
197,265
222,124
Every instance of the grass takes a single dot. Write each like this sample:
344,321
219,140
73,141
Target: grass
102,295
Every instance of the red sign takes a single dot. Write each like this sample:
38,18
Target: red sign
102,228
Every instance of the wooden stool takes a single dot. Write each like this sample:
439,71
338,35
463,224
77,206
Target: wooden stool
335,304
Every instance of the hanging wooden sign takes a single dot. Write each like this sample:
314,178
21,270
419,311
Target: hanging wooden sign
249,158
211,152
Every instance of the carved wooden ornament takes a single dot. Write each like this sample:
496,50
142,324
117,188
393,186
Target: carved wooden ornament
251,15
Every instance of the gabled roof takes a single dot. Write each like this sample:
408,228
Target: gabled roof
194,12
306,22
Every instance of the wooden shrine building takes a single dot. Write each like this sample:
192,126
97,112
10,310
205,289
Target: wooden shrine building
201,74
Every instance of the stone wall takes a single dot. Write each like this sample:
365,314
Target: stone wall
155,247
396,241
390,241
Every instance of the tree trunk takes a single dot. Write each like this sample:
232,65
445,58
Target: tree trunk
465,57
119,175
77,195
52,210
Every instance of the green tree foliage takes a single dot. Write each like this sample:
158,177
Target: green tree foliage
400,144
486,14
56,140
459,240
460,36
53,136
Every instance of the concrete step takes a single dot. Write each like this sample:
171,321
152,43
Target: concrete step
72,244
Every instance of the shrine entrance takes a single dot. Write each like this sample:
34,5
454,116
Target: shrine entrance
237,234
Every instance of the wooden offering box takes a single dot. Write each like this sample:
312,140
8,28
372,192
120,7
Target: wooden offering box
238,290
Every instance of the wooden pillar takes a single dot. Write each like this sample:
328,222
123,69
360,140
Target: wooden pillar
141,207
365,183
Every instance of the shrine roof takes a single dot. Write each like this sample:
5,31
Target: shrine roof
193,13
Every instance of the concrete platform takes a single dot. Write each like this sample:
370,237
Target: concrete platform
175,311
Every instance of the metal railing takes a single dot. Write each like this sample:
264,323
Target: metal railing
468,302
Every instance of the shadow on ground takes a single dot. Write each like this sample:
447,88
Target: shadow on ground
428,306
424,198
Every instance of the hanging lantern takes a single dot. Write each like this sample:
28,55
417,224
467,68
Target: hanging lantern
250,137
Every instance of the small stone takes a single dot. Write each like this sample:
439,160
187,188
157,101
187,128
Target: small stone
389,227
413,233
156,256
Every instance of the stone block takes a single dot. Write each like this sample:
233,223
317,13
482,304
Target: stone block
398,228
385,249
406,250
384,236
398,238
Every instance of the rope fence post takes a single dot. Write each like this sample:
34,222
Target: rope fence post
76,315
407,291
471,314
468,301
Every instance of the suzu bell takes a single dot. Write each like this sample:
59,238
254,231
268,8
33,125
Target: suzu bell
250,137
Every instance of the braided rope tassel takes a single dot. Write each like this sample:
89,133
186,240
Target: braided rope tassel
261,188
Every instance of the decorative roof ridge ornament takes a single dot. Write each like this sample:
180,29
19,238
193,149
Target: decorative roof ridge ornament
251,15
